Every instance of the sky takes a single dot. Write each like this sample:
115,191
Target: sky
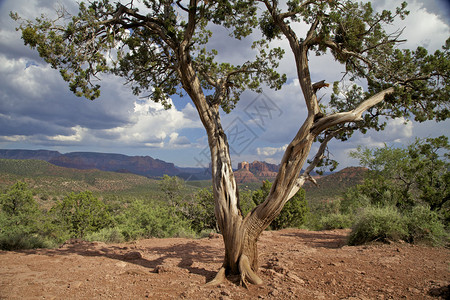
37,110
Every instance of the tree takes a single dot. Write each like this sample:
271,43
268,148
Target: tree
81,214
163,52
417,175
293,213
18,201
22,224
200,211
172,188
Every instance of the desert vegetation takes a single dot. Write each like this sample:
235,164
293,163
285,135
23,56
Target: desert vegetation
404,197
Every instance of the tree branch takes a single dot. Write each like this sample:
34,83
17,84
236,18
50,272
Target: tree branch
335,47
350,116
317,159
311,31
192,20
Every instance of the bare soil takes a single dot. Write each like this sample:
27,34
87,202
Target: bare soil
294,264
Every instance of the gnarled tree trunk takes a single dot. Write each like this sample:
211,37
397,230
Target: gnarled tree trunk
241,234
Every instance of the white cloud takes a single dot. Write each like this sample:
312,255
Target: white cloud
13,138
154,126
76,137
39,102
270,151
32,81
421,26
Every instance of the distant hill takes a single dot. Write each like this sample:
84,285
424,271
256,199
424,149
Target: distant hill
54,180
255,172
333,185
140,165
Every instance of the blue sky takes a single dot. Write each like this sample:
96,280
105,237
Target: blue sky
37,110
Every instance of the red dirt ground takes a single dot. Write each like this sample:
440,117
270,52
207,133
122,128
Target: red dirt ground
294,264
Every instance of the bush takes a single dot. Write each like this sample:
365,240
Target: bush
335,221
378,224
81,214
16,240
424,226
22,224
293,213
407,177
106,235
200,211
144,220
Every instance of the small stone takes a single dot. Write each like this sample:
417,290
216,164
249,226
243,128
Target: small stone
274,293
121,264
165,269
295,278
132,255
214,235
75,284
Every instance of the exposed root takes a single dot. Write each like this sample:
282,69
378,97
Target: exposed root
247,272
218,279
247,275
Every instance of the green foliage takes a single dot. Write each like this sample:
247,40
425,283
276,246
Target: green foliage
196,208
293,213
246,201
17,239
378,224
172,188
18,202
328,215
22,224
418,174
336,221
81,214
425,226
418,225
144,220
353,199
106,235
200,211
415,181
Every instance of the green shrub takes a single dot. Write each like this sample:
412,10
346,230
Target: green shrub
312,221
22,224
336,221
378,224
200,211
18,203
354,198
144,220
16,240
424,226
407,177
106,235
81,214
293,213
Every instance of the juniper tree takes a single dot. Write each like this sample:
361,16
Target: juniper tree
161,50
